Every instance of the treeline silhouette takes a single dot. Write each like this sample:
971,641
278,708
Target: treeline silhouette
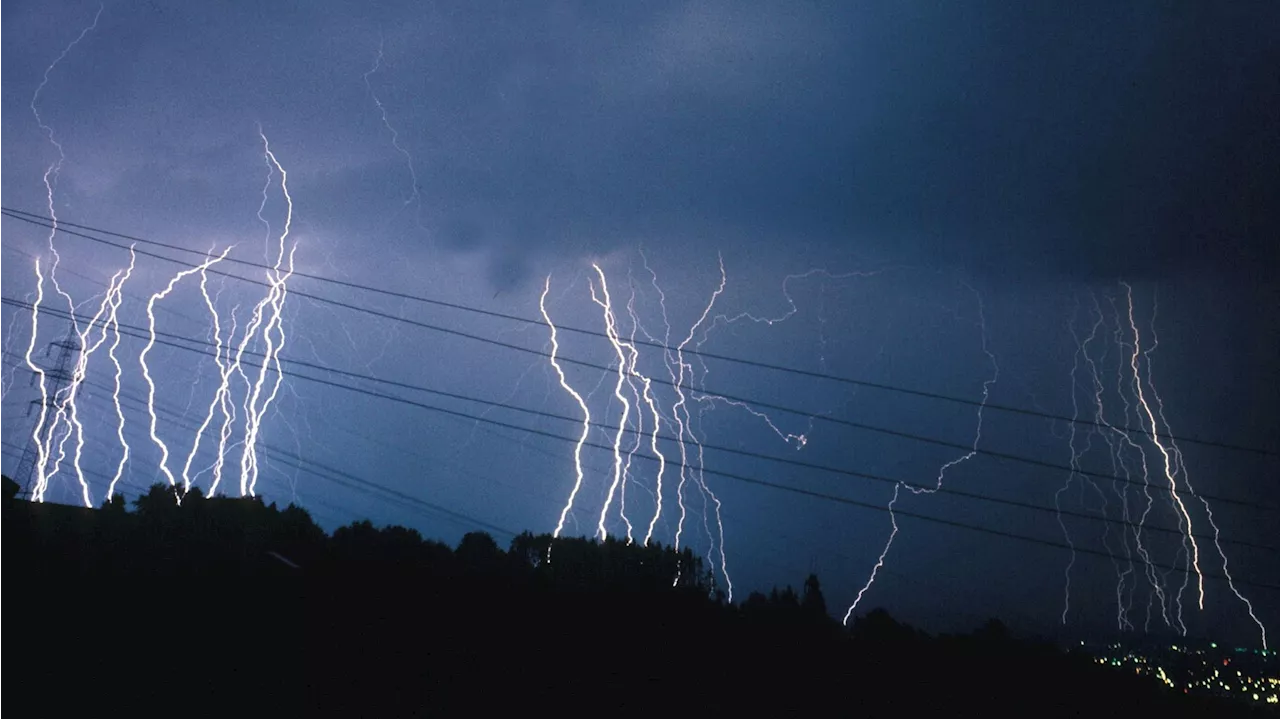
257,606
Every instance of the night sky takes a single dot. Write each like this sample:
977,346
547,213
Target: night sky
948,198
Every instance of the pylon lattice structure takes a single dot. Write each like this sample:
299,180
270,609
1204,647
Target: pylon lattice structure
58,376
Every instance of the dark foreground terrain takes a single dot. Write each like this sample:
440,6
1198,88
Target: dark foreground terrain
167,610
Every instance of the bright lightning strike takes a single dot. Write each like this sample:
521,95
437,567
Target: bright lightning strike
67,410
223,398
54,170
42,456
657,427
586,413
1118,466
942,471
114,323
618,344
142,358
683,422
50,180
219,396
1165,452
78,376
274,343
1177,453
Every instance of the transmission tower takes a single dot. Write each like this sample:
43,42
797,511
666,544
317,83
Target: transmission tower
60,376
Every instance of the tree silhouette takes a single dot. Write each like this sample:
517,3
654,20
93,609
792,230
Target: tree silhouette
528,551
477,550
376,595
158,501
993,631
11,488
786,600
813,602
879,627
116,504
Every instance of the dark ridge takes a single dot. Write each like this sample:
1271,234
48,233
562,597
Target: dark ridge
165,607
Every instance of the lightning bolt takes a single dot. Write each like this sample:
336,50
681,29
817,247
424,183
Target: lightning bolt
274,347
395,136
799,440
686,430
1153,578
1164,451
1177,455
645,396
78,376
52,173
618,345
41,454
942,471
142,357
1118,466
875,570
227,406
1075,465
657,425
67,410
632,374
683,422
792,308
114,322
666,358
219,395
8,343
269,309
50,180
586,413
1184,550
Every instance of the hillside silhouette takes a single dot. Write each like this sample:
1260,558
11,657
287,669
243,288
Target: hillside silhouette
158,606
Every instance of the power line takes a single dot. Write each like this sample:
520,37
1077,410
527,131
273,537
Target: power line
318,469
944,490
857,503
810,493
828,497
43,221
675,463
821,417
825,496
16,448
63,268
731,450
667,383
315,465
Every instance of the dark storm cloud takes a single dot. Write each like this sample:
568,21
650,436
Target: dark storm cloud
1091,141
